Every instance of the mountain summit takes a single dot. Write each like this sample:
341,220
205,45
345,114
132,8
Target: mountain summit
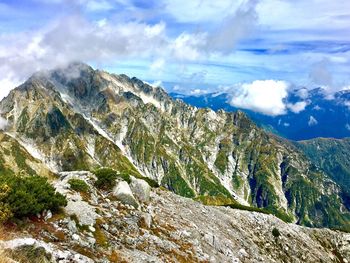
78,118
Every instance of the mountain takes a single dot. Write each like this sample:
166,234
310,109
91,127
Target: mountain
78,118
332,156
323,116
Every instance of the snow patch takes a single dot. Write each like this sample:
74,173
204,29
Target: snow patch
149,99
118,143
121,136
3,123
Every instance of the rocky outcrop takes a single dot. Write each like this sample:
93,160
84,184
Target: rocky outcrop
32,250
171,228
124,194
141,190
76,206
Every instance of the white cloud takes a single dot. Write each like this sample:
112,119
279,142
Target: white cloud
264,96
347,126
76,39
186,46
6,84
304,14
302,93
234,27
199,34
102,22
97,6
197,92
158,65
320,73
157,83
345,88
317,108
298,106
196,11
286,124
312,121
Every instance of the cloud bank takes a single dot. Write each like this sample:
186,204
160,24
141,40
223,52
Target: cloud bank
231,41
297,107
264,96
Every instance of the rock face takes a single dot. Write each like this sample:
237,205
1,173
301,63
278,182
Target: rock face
76,206
330,155
124,194
91,118
171,228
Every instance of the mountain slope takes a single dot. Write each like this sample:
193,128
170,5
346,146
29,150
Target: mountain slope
15,159
79,119
332,156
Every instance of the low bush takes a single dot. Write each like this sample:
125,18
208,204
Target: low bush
105,178
151,182
275,232
25,196
78,185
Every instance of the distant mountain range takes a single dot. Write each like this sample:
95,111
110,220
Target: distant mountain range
323,115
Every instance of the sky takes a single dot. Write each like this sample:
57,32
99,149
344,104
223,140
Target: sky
255,50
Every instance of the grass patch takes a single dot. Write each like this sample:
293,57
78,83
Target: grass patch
100,236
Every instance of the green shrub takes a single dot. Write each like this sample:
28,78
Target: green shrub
30,195
78,185
5,211
275,232
150,181
105,178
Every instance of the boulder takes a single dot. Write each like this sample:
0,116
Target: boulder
141,190
85,213
72,226
124,194
145,221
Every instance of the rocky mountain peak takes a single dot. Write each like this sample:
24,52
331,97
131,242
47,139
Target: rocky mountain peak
78,118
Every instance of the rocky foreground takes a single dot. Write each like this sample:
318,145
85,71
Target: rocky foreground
134,223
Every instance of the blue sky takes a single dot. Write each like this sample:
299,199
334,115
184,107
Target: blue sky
186,46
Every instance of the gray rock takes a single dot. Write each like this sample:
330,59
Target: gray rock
85,213
48,215
72,226
124,194
141,190
145,220
91,241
